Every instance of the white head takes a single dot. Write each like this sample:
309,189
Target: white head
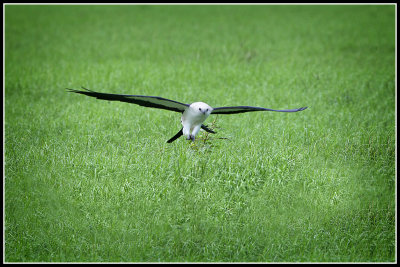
201,107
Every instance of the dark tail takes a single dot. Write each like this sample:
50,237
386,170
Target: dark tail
179,134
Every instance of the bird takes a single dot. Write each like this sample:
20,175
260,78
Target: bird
193,115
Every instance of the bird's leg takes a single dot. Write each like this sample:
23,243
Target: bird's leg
195,131
186,131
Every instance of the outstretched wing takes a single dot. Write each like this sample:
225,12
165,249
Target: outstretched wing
146,101
242,109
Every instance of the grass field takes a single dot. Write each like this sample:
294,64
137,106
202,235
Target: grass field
89,180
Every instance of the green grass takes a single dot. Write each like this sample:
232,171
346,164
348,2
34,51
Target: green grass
89,180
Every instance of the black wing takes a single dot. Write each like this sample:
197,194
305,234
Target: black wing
242,109
146,101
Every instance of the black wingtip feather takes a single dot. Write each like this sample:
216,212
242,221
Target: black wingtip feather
86,89
78,91
71,90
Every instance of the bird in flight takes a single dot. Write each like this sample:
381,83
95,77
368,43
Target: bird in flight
193,115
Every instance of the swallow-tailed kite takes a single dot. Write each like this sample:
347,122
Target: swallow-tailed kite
193,115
